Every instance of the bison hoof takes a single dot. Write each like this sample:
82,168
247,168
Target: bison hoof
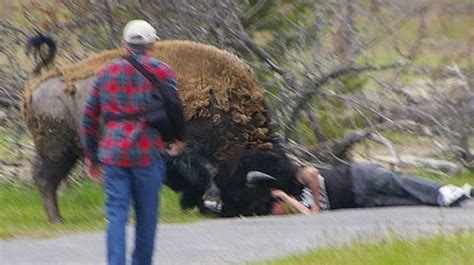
56,220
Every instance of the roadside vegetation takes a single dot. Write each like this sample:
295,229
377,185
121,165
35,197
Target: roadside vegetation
455,249
82,207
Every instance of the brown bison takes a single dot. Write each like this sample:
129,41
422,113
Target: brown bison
223,105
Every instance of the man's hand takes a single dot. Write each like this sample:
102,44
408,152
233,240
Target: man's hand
94,170
315,209
175,148
279,194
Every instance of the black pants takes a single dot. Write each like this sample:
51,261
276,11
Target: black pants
376,186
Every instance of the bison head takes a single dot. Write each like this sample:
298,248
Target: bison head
246,183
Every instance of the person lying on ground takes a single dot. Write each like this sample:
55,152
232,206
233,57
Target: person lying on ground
365,185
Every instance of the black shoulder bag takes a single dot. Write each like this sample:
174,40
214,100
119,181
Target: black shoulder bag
165,111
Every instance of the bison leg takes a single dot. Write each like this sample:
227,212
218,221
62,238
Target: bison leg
47,175
212,198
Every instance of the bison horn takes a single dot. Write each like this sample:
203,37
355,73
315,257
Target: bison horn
257,176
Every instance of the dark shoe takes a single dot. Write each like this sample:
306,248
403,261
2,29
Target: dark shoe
460,201
469,190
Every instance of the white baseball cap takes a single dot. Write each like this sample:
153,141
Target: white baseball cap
139,32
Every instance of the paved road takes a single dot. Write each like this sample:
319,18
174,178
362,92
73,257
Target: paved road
234,241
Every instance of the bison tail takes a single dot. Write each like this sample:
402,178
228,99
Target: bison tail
36,46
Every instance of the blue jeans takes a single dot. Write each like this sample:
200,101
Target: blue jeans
376,186
142,185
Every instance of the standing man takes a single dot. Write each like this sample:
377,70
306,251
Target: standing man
118,141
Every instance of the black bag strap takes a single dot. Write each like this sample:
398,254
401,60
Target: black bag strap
162,93
151,77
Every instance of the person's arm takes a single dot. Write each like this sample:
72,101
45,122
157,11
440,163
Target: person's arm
292,202
170,81
178,145
309,177
168,76
89,131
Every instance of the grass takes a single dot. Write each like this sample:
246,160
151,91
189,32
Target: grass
81,207
440,250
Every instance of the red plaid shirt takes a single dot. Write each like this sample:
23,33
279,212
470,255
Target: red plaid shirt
121,90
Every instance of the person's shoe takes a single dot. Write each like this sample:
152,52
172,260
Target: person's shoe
450,195
468,190
460,202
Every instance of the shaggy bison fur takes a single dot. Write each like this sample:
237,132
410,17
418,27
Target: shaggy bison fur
223,105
